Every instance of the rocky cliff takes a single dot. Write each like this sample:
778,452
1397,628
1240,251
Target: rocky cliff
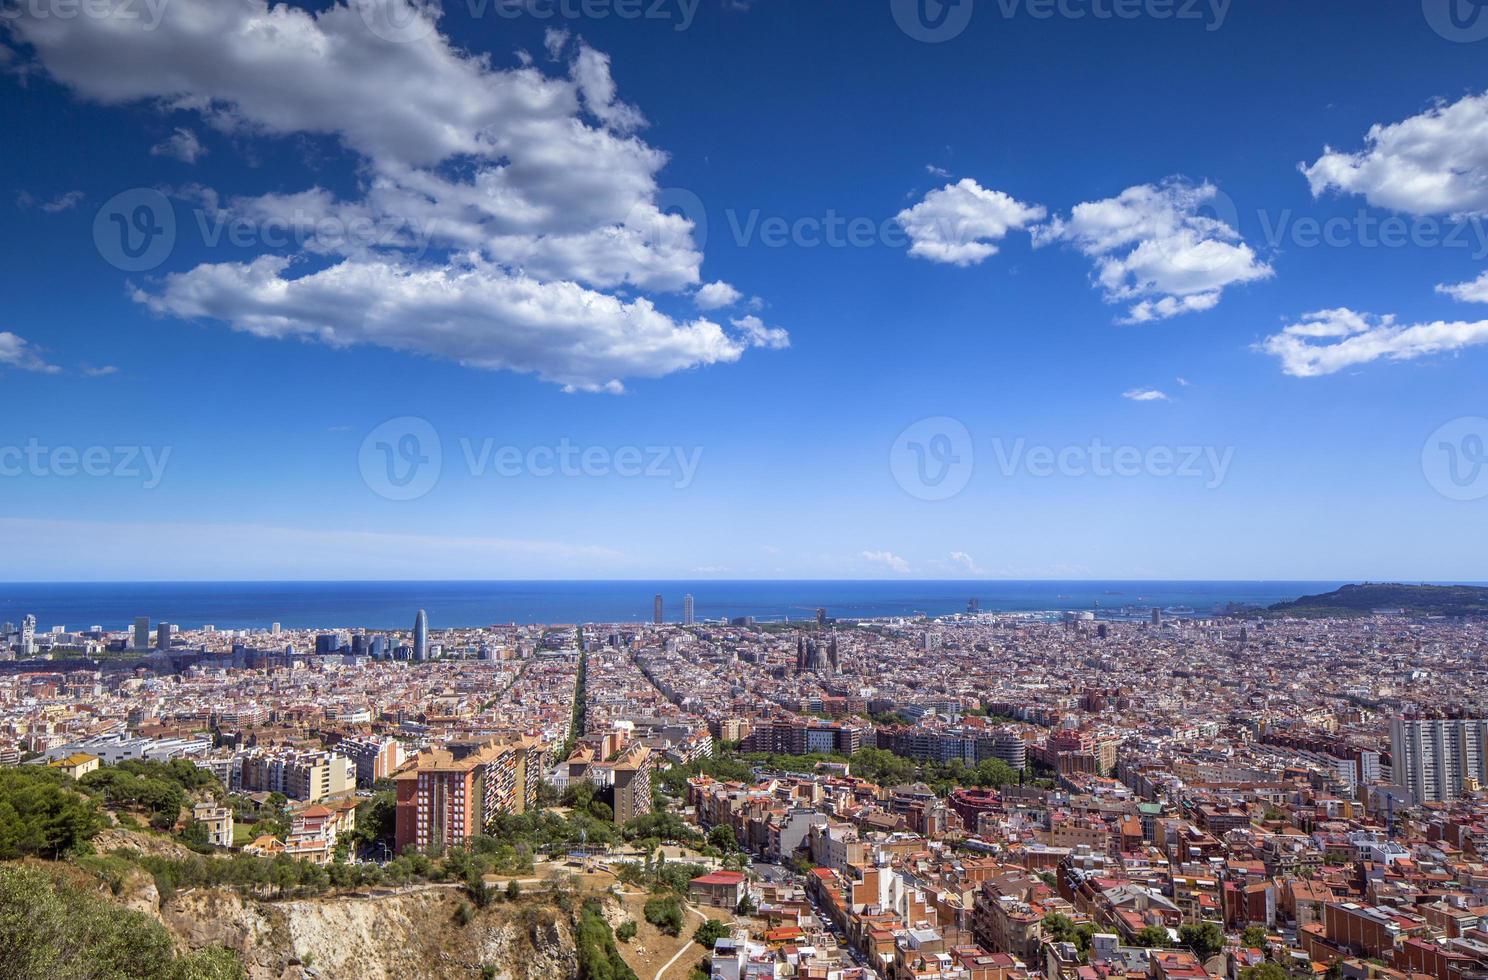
404,936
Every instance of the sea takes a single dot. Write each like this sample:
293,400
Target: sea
393,605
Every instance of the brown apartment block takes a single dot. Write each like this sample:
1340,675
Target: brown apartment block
448,795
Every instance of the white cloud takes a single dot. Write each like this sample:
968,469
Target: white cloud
716,295
1154,248
182,145
935,171
966,562
888,559
1329,341
1432,163
17,352
959,223
509,187
754,332
102,371
1145,395
472,312
1467,292
25,200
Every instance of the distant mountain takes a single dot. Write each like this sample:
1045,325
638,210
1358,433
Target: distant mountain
1413,600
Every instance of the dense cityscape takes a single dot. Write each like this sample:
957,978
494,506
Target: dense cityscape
980,796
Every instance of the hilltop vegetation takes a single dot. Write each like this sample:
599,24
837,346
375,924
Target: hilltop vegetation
1365,599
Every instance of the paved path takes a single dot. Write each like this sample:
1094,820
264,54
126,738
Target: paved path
686,946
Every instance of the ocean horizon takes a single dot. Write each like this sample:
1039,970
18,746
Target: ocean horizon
387,605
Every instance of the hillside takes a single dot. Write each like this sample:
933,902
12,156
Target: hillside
1365,599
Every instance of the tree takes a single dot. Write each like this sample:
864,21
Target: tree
1153,937
665,914
1254,936
41,816
1265,971
710,932
627,931
51,930
1204,938
513,890
722,837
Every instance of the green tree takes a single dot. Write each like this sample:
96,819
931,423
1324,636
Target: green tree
1254,936
50,930
710,932
665,914
1264,971
722,837
1204,938
42,816
1152,937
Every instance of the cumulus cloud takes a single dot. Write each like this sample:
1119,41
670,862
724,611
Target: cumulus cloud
1475,291
473,312
1328,341
754,332
1145,395
717,295
968,563
499,207
1432,163
182,145
1154,248
960,223
17,352
888,559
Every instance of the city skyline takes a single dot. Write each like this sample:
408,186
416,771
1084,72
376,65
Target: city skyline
895,345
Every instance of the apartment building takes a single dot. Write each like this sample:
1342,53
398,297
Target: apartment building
299,775
1439,759
449,794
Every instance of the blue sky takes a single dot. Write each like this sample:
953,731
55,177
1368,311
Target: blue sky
493,262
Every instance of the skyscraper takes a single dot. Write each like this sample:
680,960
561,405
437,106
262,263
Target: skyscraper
421,635
142,632
163,636
28,636
687,610
1438,759
656,610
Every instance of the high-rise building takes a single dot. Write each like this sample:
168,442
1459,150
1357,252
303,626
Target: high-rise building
163,636
656,610
421,636
142,632
1439,759
450,794
276,629
28,636
687,610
